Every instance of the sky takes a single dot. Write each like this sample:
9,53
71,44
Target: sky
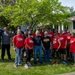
69,3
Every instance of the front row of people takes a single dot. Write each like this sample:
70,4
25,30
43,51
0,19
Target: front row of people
34,45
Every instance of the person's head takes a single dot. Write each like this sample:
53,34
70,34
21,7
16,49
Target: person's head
19,27
55,35
38,29
25,32
61,32
68,32
19,32
29,33
43,29
28,27
45,33
37,33
5,29
65,30
56,30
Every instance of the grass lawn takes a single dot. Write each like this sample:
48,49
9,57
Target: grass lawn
7,68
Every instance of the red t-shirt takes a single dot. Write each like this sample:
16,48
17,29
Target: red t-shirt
51,35
72,45
41,34
29,42
55,43
65,35
68,39
62,40
18,41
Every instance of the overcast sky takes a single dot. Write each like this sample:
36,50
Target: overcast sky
69,3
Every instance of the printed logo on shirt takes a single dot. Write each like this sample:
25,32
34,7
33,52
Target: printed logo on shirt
49,35
46,40
71,41
61,38
19,39
30,41
54,42
68,37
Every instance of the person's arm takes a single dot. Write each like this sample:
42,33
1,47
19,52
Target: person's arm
42,46
50,45
59,45
65,43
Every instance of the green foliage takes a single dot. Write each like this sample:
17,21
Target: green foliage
34,12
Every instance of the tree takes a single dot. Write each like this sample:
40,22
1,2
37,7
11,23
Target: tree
34,12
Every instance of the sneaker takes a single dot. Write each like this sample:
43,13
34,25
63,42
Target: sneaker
26,66
15,66
65,62
29,64
61,61
19,64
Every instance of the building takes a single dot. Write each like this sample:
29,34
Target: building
71,27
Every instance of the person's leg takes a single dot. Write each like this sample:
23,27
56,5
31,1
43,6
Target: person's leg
68,53
45,55
16,57
40,53
53,52
20,56
30,53
48,54
3,52
35,54
8,51
74,57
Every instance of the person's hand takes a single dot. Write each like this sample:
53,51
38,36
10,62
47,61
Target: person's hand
57,49
43,48
14,49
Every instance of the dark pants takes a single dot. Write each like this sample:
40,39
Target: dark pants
28,55
5,47
55,52
73,55
47,55
69,54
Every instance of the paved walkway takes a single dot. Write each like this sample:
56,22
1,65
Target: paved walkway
73,73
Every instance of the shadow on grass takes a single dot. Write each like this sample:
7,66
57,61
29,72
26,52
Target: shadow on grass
7,60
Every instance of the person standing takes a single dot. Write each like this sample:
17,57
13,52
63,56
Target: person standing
18,42
72,47
46,44
29,49
37,47
56,45
6,43
62,49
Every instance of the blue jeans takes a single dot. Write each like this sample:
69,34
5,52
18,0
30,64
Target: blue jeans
18,56
37,50
73,55
46,55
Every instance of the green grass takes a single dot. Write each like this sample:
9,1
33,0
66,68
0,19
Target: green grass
7,68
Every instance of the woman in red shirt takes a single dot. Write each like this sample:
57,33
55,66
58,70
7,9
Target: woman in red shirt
62,49
28,47
72,47
56,45
18,42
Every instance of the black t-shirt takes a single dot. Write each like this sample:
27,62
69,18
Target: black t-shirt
46,43
37,40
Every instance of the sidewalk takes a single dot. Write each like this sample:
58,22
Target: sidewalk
73,73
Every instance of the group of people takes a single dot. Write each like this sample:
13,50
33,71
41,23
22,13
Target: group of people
45,44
